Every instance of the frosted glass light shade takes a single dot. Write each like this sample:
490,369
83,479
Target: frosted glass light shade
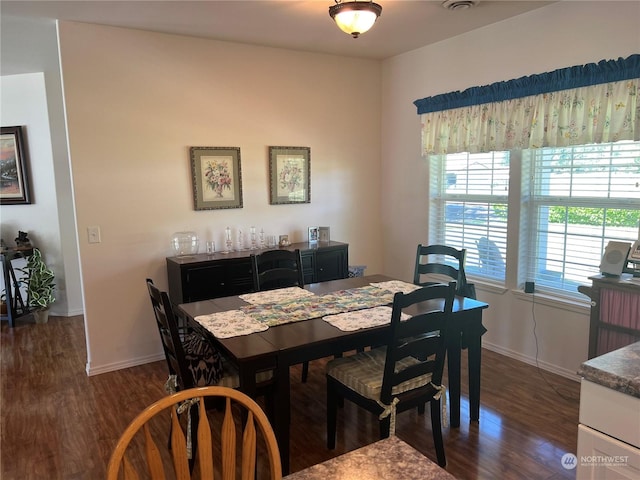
355,18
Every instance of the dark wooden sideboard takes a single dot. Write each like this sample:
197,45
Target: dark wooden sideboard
203,276
615,313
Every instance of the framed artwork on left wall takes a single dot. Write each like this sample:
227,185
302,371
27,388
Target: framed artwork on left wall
217,177
14,168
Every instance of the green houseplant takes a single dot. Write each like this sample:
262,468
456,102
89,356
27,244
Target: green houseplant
40,285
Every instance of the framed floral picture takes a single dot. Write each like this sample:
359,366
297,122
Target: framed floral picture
289,175
217,177
14,171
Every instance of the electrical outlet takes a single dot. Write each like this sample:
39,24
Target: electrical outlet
94,234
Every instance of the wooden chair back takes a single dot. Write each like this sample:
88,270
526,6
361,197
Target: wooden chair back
277,269
213,459
421,338
442,260
170,336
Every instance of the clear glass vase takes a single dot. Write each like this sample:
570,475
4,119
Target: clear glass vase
185,243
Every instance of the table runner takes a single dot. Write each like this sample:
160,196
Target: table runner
260,315
318,306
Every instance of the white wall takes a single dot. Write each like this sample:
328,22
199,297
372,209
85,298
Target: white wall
23,101
556,36
30,46
136,101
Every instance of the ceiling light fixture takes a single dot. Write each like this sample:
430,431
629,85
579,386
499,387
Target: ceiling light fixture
355,17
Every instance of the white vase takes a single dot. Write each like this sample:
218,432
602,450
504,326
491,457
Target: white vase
41,316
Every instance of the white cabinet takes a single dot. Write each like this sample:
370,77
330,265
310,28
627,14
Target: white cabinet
608,434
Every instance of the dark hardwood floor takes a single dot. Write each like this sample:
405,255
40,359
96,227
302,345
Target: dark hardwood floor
58,423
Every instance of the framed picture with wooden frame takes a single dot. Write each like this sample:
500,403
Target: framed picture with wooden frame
289,175
217,177
14,168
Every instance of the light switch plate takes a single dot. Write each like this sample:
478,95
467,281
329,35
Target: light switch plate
94,234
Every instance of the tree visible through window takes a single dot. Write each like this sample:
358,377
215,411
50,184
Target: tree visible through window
571,202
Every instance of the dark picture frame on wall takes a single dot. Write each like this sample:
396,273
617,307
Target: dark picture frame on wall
217,177
14,168
289,175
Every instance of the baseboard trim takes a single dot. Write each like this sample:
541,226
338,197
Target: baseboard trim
112,367
549,367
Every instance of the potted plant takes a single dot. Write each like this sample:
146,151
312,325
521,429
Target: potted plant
39,281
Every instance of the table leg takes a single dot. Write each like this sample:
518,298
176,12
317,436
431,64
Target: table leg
283,414
453,371
474,352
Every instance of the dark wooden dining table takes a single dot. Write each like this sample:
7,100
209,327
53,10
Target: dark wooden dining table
289,344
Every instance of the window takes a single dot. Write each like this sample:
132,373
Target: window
581,198
469,208
571,202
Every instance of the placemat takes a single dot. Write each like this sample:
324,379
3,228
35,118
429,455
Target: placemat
232,323
359,319
396,286
276,296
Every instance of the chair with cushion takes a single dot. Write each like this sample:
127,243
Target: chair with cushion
440,261
192,360
137,453
406,373
278,269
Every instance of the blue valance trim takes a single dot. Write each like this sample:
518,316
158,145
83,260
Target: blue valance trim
605,71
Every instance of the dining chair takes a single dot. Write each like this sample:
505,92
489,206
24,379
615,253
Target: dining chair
278,269
191,359
218,448
437,261
404,374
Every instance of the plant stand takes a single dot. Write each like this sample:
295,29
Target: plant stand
16,306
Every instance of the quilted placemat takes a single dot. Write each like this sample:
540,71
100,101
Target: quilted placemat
278,295
232,323
396,286
359,319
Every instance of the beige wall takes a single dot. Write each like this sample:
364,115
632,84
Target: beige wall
557,36
136,101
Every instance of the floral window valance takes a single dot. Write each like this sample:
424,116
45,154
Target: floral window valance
593,103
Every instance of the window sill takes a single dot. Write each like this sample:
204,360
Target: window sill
555,301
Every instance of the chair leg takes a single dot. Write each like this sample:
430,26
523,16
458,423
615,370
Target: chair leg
385,427
332,415
421,408
305,372
436,427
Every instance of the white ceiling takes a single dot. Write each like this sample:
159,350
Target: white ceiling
294,24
